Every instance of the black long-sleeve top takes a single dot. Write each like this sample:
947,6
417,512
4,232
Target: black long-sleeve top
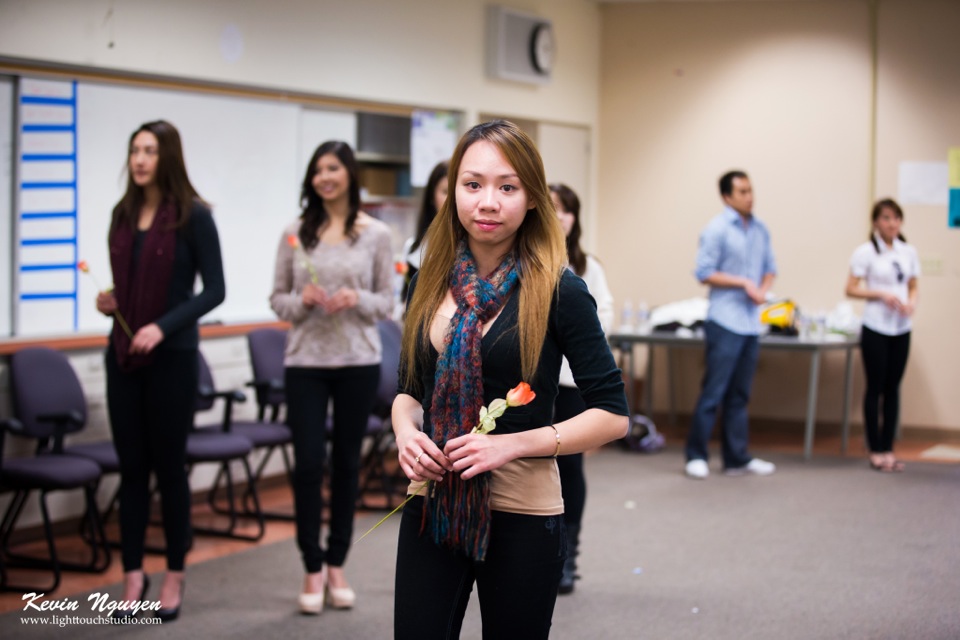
573,331
197,252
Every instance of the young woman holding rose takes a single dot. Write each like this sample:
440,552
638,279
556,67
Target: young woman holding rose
333,282
161,237
491,306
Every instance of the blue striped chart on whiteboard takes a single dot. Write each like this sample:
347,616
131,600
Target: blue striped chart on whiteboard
47,199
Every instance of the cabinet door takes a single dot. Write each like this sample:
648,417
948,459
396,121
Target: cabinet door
566,159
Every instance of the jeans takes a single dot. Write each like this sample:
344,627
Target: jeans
151,412
884,361
308,391
516,584
731,362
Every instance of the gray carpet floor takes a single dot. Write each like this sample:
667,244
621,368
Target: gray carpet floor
822,549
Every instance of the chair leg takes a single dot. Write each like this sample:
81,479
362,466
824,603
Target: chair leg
10,518
103,516
98,543
233,514
26,561
374,470
271,515
249,510
99,552
7,527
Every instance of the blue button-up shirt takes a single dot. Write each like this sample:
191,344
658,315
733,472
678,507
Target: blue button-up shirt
727,246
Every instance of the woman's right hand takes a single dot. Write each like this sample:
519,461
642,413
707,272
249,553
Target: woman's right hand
106,303
420,458
314,296
892,301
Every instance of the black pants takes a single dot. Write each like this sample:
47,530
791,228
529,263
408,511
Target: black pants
151,412
517,583
884,361
308,393
573,483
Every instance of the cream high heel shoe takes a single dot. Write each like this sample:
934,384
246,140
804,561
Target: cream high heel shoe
341,598
312,603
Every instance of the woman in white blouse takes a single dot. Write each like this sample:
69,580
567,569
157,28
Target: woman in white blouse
573,483
884,272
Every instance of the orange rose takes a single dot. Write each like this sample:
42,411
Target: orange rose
520,395
83,266
293,241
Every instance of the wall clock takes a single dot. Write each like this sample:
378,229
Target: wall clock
542,48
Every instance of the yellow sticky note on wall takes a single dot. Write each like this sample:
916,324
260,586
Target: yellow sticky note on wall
953,162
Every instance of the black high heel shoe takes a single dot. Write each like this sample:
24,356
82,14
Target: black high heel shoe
172,613
127,613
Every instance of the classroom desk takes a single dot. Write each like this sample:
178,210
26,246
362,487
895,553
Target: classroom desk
626,341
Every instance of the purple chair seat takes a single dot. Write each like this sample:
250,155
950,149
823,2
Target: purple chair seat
48,472
263,434
208,446
103,453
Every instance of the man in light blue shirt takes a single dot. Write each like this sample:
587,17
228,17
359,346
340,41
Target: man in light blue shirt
735,258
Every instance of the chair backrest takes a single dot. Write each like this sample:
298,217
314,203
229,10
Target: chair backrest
267,348
390,337
203,402
42,382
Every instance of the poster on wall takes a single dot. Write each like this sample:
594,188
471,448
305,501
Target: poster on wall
953,208
923,183
433,135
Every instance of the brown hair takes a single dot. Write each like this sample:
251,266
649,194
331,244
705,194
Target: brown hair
571,204
171,179
428,208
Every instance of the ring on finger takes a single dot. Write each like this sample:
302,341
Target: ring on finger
417,459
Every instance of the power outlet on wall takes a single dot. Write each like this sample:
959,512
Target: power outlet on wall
931,265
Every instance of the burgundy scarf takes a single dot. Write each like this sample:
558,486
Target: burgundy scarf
142,290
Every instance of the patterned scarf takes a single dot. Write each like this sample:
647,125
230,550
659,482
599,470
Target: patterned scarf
458,511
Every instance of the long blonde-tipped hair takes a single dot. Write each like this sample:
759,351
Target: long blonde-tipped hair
540,248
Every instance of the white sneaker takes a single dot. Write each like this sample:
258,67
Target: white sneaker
756,467
697,469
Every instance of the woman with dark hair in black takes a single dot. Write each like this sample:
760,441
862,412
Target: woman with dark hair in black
434,195
573,482
161,237
332,283
884,272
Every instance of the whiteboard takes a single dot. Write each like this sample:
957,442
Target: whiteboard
241,155
317,126
246,156
6,215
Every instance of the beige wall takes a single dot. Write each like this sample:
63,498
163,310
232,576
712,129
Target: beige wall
782,90
425,53
918,117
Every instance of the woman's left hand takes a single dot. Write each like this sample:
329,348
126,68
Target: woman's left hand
343,299
473,453
146,339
